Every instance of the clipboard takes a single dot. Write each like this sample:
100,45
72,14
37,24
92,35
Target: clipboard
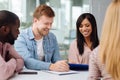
79,67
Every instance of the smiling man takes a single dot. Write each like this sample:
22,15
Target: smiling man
38,46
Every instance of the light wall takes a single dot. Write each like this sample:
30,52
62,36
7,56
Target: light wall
98,9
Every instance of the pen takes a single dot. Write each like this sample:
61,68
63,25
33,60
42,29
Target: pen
27,72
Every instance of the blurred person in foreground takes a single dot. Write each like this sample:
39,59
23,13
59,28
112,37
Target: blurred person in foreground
105,59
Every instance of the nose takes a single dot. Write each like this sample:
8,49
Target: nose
84,28
49,26
18,31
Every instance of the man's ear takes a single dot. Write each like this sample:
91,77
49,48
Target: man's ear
5,29
35,20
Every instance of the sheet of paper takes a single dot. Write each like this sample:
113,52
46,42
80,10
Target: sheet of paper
62,73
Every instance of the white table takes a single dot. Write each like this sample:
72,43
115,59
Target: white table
82,75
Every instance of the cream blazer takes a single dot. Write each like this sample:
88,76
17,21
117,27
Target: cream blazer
75,57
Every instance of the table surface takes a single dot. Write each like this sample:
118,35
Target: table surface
81,75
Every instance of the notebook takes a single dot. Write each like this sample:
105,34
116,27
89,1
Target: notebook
61,73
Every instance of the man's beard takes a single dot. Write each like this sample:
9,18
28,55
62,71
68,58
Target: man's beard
10,38
42,32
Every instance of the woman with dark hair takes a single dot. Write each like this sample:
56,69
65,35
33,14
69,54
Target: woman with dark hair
86,39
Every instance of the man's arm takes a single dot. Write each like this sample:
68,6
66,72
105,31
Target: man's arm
30,57
57,63
60,66
11,53
56,53
7,69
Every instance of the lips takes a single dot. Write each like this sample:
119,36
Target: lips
46,29
86,32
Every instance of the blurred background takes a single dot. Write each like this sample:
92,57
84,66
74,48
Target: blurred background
66,14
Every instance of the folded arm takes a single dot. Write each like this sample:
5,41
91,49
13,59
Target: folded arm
7,69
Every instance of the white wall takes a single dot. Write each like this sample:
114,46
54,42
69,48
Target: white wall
98,9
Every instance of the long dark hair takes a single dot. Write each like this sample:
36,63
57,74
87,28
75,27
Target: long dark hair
93,37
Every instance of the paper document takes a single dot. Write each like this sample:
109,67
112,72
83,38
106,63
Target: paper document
62,73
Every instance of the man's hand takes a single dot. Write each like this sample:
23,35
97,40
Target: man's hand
60,66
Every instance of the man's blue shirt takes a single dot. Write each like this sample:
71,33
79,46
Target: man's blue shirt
26,46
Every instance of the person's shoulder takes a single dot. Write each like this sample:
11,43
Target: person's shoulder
25,30
74,42
51,35
95,51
